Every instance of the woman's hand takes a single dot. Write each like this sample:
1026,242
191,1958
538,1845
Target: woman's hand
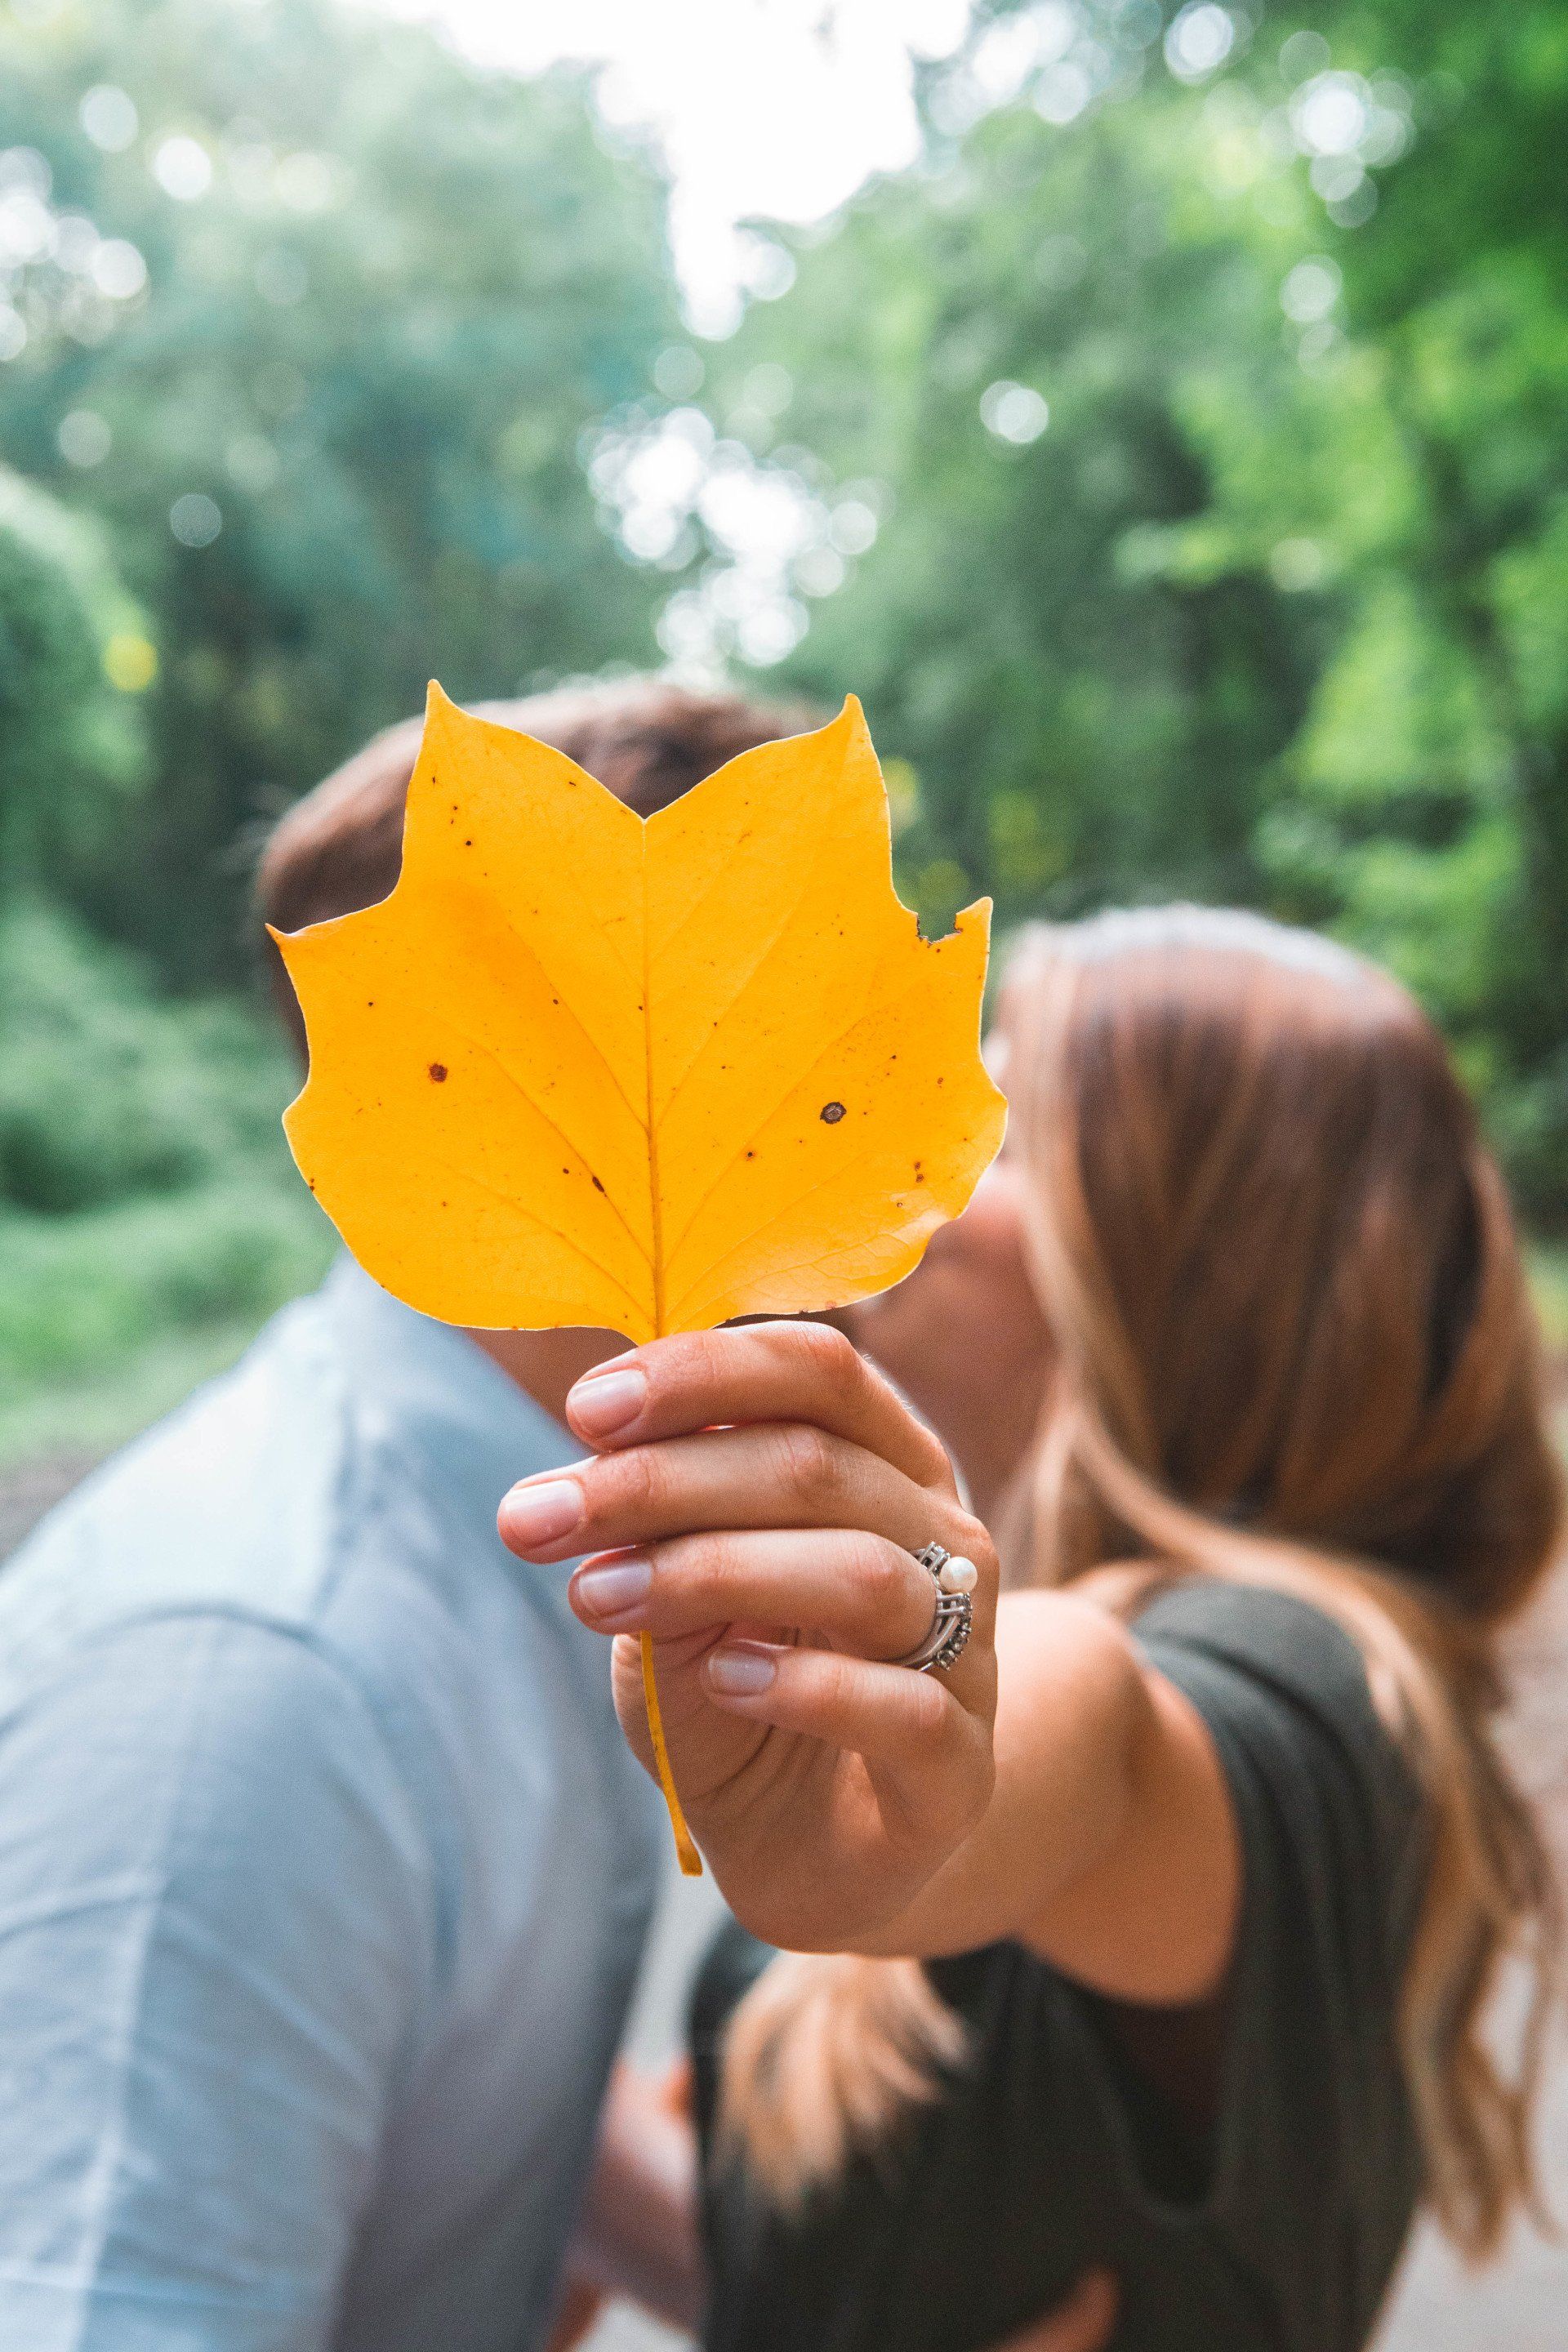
636,2231
756,1502
1082,2324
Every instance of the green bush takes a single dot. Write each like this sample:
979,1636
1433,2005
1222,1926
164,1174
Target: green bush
72,745
150,1218
108,1090
84,1294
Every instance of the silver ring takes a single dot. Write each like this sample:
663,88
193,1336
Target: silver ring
953,1617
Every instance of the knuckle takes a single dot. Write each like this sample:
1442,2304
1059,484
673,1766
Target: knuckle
810,1464
830,1358
973,1539
637,1487
705,1564
929,1708
683,1365
836,1681
935,1467
879,1576
701,1361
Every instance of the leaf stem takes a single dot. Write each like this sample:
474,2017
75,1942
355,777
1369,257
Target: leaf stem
686,1852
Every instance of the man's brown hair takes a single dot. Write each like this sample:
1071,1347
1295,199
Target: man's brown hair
340,847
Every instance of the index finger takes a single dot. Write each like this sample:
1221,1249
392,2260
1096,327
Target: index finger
760,1371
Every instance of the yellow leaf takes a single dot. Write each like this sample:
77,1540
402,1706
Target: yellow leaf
584,1068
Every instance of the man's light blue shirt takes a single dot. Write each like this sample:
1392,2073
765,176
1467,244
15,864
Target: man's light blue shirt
324,1869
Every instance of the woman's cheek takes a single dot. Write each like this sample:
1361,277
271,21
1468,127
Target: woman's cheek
957,1322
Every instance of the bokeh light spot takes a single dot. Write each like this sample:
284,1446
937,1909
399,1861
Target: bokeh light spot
130,661
195,519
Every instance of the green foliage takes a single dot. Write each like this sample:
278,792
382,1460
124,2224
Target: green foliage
149,1214
1274,608
85,1292
394,292
108,1318
1549,1287
107,1090
71,749
1092,701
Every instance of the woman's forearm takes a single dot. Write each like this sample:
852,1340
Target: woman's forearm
1068,1693
1108,1845
637,2235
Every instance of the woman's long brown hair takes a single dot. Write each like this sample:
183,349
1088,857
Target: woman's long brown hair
1292,1347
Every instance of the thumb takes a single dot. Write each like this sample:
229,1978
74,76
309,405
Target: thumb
1082,2324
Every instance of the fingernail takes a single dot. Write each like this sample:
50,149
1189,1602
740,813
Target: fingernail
541,1514
742,1674
618,1584
605,1401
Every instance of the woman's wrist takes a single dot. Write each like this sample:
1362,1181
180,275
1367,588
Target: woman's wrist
1070,1697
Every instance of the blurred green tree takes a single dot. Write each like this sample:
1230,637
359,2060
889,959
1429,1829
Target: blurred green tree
316,314
1430,815
1016,350
1210,377
108,1089
72,651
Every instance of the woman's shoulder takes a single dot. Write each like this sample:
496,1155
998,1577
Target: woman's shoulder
1226,1633
1288,1635
1285,1690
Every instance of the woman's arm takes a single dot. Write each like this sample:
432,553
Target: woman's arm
1110,1844
638,2233
764,1492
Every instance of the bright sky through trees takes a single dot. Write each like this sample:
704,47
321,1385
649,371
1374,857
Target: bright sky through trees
777,108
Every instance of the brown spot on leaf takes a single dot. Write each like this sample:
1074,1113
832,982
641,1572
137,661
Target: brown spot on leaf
831,1113
597,1186
438,1073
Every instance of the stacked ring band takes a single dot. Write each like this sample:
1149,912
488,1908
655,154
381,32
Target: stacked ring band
954,1614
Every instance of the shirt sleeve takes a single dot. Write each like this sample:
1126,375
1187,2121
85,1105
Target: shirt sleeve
216,1937
1333,1850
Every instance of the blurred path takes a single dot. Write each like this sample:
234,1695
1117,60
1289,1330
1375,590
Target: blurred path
29,1489
1520,2305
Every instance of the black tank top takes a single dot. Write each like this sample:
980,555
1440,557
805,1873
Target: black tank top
1048,2152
